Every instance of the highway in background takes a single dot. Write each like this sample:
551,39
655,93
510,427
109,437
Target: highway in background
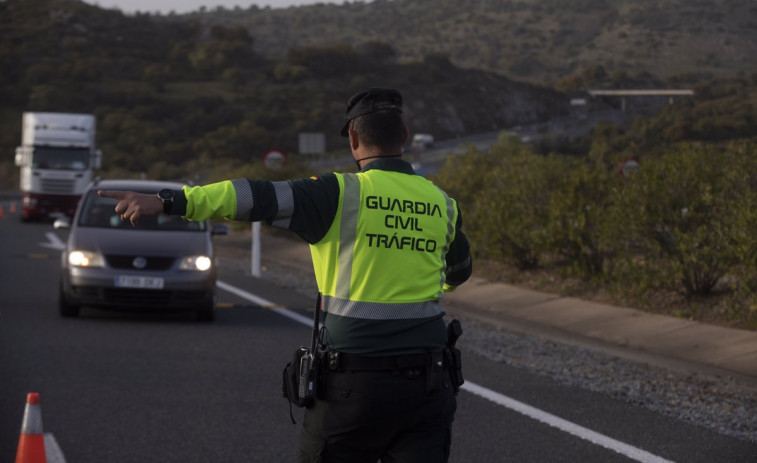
122,387
428,161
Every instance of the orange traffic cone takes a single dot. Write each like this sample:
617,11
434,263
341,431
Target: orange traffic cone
12,209
2,214
31,444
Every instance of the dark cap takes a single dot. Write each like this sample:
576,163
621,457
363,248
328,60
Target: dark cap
370,101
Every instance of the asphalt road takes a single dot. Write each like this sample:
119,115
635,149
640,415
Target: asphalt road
121,387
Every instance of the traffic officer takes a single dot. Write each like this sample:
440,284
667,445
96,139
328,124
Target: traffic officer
385,244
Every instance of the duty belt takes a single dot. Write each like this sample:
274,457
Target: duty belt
342,361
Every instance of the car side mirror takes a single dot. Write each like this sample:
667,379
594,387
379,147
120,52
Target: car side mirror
62,223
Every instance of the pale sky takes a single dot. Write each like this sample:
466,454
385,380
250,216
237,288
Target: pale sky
185,6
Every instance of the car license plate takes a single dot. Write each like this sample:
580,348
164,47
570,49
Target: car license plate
131,281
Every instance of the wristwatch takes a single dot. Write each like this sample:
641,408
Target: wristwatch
166,195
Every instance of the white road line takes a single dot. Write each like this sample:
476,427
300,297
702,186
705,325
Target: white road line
53,242
629,451
264,303
564,425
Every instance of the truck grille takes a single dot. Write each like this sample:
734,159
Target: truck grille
57,186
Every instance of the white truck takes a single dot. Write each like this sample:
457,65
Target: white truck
57,158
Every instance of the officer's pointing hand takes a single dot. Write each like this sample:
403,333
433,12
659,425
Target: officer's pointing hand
132,205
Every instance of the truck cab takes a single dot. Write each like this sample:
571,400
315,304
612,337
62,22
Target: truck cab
57,158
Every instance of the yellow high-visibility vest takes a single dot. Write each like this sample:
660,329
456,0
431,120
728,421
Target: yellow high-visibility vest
384,256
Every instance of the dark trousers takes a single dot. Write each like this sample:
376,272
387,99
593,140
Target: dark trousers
392,416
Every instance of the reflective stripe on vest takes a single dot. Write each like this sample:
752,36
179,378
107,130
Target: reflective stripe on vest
245,202
380,310
285,200
347,234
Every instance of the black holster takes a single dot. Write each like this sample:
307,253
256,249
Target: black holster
453,359
300,380
301,375
452,355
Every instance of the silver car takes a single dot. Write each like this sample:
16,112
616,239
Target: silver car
165,263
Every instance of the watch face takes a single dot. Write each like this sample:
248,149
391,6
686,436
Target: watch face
166,194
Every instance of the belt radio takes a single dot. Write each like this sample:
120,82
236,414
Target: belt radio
300,378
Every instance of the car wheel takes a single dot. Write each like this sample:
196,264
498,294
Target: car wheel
207,313
67,309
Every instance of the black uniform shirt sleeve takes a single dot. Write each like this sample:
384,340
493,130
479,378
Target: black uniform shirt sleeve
459,261
316,200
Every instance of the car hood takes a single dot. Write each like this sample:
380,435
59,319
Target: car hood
141,242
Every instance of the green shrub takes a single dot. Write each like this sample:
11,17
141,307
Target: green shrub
690,214
579,200
682,224
503,198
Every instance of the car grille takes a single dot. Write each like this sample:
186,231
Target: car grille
127,262
133,297
57,186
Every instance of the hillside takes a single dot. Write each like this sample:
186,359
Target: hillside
540,41
168,91
226,85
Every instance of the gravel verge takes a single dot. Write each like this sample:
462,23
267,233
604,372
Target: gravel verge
719,404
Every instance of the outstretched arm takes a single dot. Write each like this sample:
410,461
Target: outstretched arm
305,206
132,205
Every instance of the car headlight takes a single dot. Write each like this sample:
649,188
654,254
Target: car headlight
85,259
200,263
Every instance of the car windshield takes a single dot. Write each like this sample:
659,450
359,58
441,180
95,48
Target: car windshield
60,158
99,212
